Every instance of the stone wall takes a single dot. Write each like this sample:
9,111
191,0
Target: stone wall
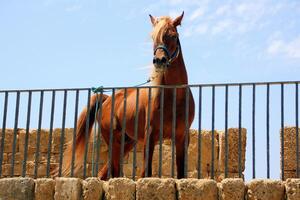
290,152
206,148
148,188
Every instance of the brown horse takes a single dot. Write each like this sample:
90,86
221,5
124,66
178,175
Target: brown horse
169,69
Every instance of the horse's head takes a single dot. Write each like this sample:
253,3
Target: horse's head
165,38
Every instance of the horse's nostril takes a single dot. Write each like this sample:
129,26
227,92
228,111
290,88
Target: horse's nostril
154,60
164,60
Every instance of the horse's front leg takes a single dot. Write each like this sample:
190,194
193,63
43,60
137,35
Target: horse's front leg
147,164
180,146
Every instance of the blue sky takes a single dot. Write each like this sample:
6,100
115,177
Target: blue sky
76,43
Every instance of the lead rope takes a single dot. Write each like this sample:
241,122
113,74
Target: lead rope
99,89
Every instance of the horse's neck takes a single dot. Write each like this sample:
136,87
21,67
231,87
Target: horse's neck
175,75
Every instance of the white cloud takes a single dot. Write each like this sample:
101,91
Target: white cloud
197,13
221,26
223,10
289,49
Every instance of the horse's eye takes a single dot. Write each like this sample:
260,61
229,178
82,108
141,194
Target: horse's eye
174,37
171,37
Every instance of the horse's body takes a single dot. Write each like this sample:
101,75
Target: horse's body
174,74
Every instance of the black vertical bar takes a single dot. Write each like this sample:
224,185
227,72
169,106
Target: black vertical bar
38,138
109,173
173,131
15,134
226,131
87,127
186,134
268,130
297,127
136,120
3,130
99,130
62,136
161,131
95,138
240,131
253,131
74,133
199,134
123,134
212,175
50,133
148,133
282,131
26,135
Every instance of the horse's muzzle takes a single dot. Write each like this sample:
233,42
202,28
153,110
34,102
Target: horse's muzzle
160,62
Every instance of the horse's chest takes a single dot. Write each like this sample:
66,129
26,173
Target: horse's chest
169,114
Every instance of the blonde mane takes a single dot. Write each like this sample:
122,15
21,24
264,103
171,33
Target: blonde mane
160,28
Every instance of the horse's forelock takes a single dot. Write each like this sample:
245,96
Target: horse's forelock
160,28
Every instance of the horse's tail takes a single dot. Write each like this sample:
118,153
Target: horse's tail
80,136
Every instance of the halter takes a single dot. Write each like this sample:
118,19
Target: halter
167,52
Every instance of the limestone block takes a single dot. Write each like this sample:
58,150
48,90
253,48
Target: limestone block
41,170
289,143
127,169
56,135
206,150
54,158
32,139
289,174
103,156
19,157
233,149
67,188
17,188
205,174
200,189
92,189
44,189
166,160
265,189
5,158
192,155
232,189
221,176
155,188
6,169
119,188
79,174
292,189
8,140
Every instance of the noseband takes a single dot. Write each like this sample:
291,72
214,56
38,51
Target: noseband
171,57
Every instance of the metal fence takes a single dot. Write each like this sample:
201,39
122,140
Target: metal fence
264,108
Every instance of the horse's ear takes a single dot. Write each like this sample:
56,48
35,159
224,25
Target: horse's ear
178,20
153,20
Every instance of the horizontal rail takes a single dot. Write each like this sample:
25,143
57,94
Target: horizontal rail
160,86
